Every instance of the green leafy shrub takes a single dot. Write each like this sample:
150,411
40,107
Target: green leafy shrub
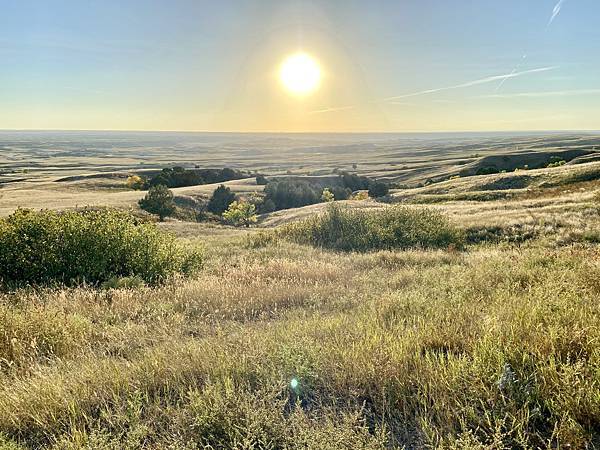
159,201
396,227
91,246
555,161
241,213
327,196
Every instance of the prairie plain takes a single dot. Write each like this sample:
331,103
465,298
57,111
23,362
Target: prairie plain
276,344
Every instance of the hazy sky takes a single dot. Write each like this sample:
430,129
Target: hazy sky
397,65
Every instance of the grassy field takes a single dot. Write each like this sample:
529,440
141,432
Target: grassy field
490,348
276,345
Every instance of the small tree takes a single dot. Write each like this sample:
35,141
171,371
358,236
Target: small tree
241,213
327,196
159,201
221,198
378,189
135,182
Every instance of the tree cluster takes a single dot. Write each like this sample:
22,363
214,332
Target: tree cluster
181,177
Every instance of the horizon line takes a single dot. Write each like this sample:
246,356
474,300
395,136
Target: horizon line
104,130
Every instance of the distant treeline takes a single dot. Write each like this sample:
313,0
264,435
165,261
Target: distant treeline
181,177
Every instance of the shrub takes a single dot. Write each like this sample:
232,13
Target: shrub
395,227
159,201
221,198
327,196
361,195
378,189
135,182
556,164
91,246
241,213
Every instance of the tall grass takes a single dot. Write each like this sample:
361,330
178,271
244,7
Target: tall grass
422,349
395,227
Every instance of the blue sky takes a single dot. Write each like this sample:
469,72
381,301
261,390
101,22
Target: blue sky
427,65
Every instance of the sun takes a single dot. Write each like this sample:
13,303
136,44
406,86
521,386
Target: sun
300,74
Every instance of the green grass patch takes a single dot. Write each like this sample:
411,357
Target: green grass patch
396,227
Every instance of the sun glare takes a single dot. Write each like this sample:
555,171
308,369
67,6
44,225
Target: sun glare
300,74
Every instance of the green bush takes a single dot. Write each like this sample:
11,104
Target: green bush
395,227
241,213
327,196
91,246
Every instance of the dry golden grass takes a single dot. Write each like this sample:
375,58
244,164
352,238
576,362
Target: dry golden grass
52,195
492,348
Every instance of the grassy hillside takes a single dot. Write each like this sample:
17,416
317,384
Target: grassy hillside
80,170
486,341
491,348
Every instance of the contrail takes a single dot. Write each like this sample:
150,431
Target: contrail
544,94
474,82
326,110
556,11
512,73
